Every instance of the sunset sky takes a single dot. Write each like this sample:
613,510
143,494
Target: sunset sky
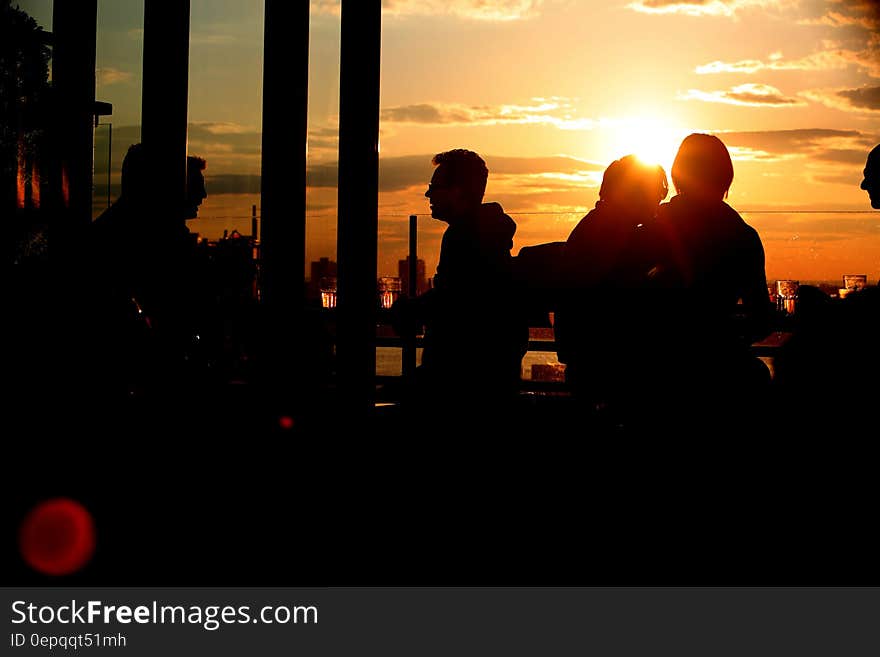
550,92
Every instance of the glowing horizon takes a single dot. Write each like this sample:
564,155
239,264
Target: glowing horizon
550,93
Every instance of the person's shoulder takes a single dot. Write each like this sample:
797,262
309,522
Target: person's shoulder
493,224
582,226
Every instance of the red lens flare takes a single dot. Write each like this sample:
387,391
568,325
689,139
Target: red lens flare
57,537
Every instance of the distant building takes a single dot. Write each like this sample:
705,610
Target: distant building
403,273
321,268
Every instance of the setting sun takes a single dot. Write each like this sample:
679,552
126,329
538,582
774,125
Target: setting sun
654,140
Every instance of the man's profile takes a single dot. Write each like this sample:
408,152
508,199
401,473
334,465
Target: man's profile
871,181
474,341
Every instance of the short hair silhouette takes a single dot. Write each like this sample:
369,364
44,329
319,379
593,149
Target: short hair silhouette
631,176
135,185
466,170
195,163
195,185
702,166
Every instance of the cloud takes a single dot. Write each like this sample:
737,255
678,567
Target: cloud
802,140
830,146
480,10
696,7
849,181
403,172
863,99
848,13
231,183
866,58
555,111
745,154
477,10
541,165
843,155
323,139
749,94
106,76
819,61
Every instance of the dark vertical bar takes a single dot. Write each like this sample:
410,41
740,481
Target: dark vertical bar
409,340
109,159
283,183
165,102
73,80
292,365
361,35
254,223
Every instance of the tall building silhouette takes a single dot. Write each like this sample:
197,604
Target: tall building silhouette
324,267
403,273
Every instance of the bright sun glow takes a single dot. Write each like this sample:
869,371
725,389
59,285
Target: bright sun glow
653,140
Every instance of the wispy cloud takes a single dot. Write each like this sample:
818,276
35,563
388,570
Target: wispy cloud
746,154
403,172
557,112
221,127
481,10
107,76
847,13
478,10
749,94
818,61
867,58
843,155
863,99
844,147
698,7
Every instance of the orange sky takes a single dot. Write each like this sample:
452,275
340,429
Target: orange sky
550,92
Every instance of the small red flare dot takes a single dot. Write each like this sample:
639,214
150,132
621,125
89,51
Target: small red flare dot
285,422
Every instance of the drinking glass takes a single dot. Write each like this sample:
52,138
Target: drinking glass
786,296
389,290
328,292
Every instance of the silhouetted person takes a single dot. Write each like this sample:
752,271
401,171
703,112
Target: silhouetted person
144,273
711,264
606,263
474,337
871,181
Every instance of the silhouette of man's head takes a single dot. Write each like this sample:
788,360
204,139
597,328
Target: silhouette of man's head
195,186
135,187
871,182
458,184
634,186
702,167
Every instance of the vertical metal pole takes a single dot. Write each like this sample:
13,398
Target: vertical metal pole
73,79
109,159
409,340
291,360
254,223
361,34
165,103
283,181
